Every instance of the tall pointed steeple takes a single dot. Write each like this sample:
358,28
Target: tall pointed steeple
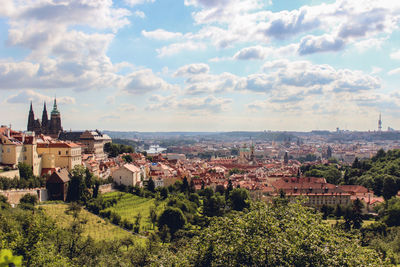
31,120
55,110
55,120
45,118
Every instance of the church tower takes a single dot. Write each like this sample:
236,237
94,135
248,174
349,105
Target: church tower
55,120
45,119
31,120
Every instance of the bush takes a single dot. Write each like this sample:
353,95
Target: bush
29,199
105,213
127,225
115,218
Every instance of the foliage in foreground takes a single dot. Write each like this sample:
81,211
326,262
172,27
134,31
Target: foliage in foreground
277,235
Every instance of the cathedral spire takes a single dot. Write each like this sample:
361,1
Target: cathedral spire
45,118
31,119
55,110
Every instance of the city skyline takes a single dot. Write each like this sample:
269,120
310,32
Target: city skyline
201,65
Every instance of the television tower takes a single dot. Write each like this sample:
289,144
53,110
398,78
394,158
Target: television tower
380,123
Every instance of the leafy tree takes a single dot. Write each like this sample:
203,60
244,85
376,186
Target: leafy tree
150,185
392,212
276,235
214,205
229,188
185,185
77,185
29,199
127,158
25,171
357,213
192,187
153,216
326,211
138,218
389,187
338,211
239,199
164,192
173,218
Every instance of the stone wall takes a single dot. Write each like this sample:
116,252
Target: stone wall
106,188
14,195
10,174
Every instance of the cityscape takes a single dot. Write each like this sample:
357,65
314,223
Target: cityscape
199,133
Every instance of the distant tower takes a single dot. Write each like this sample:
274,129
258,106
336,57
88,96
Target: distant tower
55,120
380,123
31,120
45,119
286,158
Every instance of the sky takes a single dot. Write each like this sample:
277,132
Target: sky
202,65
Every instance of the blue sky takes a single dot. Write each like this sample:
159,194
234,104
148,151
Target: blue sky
202,65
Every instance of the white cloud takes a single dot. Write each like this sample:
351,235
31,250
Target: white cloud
144,81
140,14
254,52
25,96
394,71
208,104
161,34
192,69
138,2
211,83
344,21
324,43
395,55
178,47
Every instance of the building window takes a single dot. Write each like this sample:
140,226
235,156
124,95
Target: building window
66,152
8,150
59,152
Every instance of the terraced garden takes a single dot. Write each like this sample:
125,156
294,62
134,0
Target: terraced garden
95,227
129,206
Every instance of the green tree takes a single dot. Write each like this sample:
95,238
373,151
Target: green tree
150,185
25,171
29,199
357,213
389,187
185,185
153,216
138,218
214,205
392,212
277,235
173,218
239,199
127,158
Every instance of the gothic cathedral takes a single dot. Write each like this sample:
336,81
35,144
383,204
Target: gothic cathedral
50,127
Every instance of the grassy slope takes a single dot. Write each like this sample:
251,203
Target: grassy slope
95,227
129,206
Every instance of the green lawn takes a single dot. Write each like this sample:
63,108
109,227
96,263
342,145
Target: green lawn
96,227
129,206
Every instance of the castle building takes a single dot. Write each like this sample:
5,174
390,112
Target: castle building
50,127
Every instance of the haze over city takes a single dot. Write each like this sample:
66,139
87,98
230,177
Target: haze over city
201,65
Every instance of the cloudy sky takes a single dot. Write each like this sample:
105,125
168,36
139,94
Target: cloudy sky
202,65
